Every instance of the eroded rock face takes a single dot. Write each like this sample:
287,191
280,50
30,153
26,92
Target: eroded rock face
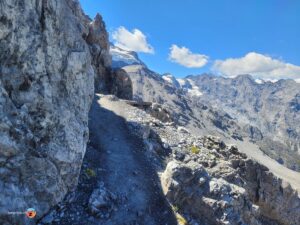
232,190
46,88
211,200
121,84
97,39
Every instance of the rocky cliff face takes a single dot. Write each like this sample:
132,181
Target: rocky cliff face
230,189
267,112
199,117
46,87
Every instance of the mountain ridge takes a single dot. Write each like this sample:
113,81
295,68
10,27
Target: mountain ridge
225,95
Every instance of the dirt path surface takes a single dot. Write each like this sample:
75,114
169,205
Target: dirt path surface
129,171
117,157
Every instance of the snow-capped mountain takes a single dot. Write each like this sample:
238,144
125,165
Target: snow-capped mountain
171,79
122,57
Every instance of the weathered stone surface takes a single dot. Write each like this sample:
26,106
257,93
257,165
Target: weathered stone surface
277,199
46,88
234,190
208,199
121,85
98,40
101,202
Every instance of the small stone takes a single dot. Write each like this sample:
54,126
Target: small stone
165,145
202,180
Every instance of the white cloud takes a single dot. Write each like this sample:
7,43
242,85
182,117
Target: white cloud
131,41
258,65
185,57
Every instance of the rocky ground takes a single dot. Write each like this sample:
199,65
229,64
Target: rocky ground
118,184
204,180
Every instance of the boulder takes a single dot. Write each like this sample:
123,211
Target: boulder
208,199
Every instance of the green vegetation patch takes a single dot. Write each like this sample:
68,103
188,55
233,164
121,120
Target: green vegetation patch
90,172
195,149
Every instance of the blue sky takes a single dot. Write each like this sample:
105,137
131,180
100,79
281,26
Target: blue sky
232,36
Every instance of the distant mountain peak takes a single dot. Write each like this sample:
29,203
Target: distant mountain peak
121,57
169,78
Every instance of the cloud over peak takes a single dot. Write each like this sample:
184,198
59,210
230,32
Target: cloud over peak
131,41
258,65
185,57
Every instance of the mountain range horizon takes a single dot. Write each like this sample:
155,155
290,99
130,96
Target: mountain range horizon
136,59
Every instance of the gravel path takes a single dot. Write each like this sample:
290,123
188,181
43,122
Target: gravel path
129,171
118,158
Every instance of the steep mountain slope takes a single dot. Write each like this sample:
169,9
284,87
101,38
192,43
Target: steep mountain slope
268,112
151,87
236,109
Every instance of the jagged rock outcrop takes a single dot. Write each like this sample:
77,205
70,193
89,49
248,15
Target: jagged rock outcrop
107,80
46,88
97,39
232,190
210,200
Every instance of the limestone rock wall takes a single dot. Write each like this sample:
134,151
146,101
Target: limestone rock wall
98,41
46,88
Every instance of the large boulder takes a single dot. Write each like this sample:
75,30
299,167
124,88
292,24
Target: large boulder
220,185
210,200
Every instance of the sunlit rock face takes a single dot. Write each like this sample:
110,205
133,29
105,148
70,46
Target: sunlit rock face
46,88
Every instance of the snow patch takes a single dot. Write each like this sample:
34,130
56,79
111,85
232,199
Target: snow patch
168,79
259,81
171,79
181,82
121,55
271,80
194,90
